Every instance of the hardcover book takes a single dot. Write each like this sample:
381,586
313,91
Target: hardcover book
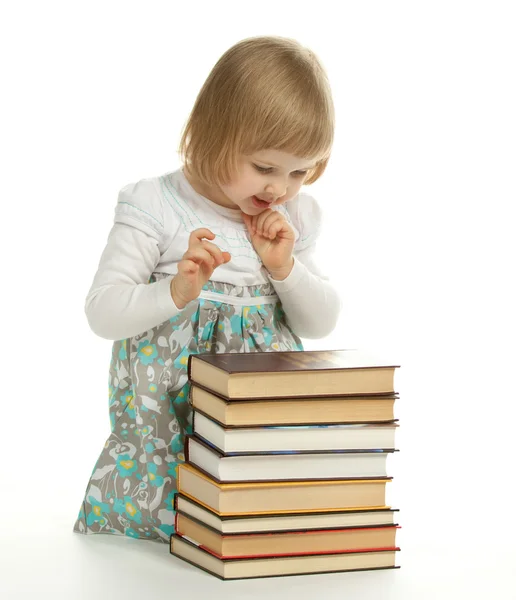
292,374
264,523
359,436
273,497
290,543
285,466
304,410
242,568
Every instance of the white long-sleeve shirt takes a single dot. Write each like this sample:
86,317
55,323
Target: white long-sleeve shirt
153,221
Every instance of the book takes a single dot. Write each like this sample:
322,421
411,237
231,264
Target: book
272,567
292,411
361,436
291,374
291,543
285,466
264,523
274,497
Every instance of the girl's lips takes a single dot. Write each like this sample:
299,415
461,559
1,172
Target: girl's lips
260,203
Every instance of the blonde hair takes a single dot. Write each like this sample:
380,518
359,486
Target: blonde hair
263,93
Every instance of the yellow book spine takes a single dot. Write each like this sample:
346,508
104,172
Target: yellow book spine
283,512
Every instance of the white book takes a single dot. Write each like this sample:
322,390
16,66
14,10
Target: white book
361,436
286,466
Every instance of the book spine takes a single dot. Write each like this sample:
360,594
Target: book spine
187,451
296,554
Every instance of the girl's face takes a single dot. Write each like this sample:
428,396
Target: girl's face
266,179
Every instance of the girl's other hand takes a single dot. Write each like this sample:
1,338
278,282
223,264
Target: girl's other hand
196,267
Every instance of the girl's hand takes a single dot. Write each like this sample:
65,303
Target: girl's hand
273,239
196,267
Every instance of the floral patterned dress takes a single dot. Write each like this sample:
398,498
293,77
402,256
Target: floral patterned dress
132,486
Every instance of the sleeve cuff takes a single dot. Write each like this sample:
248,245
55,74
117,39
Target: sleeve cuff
295,276
165,301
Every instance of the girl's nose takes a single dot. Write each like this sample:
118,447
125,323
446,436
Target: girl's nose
276,190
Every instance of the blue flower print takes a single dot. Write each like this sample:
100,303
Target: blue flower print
147,352
126,465
97,510
126,507
169,501
154,479
127,399
181,362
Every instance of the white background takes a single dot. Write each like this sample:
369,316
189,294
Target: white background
419,238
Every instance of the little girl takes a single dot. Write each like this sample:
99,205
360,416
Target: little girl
214,257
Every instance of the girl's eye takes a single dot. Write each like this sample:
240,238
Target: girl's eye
263,169
270,169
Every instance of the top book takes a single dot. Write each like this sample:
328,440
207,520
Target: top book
292,374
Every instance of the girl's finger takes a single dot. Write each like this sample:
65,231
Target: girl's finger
214,250
197,235
271,221
261,218
187,267
199,255
274,229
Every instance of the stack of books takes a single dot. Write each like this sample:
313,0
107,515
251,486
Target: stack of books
286,471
